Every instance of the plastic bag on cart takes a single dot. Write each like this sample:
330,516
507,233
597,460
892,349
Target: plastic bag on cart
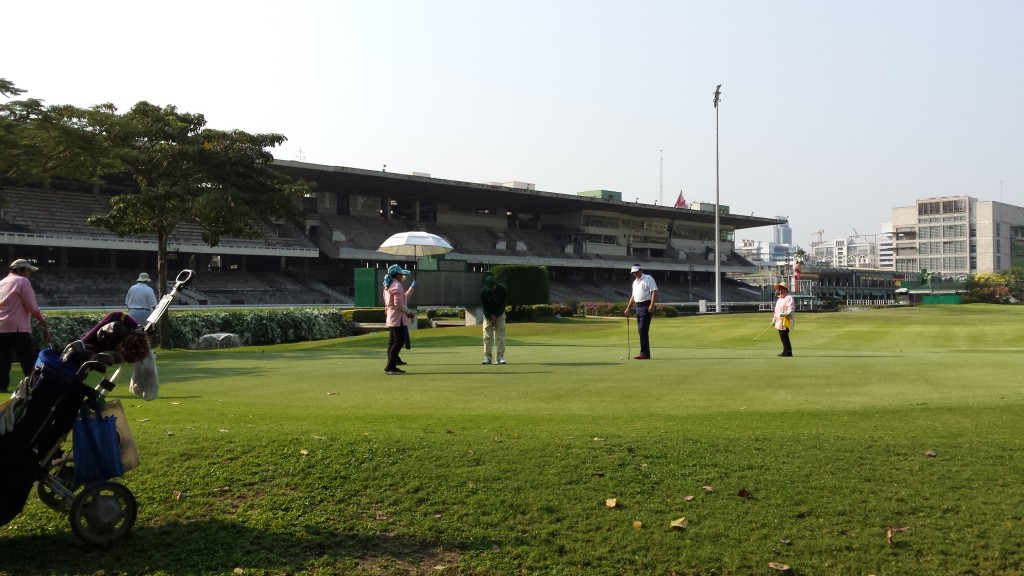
145,383
126,441
96,448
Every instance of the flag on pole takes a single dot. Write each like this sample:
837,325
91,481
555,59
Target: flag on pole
680,202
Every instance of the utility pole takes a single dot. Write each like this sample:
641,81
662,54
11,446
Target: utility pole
718,209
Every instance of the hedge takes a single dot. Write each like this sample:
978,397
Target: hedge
255,327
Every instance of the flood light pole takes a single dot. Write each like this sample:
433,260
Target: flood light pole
718,232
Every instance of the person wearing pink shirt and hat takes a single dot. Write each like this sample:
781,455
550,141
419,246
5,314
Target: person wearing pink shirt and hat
17,305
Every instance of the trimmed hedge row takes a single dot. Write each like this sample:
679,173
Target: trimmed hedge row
255,327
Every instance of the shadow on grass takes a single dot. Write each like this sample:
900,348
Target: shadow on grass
219,547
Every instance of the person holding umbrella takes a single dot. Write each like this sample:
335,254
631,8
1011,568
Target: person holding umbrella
396,299
492,301
783,317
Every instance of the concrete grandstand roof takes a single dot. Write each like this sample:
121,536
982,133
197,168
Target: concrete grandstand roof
424,188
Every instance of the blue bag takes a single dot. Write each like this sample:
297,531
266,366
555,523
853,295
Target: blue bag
96,449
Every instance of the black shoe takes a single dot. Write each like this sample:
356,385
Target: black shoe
785,354
393,371
400,363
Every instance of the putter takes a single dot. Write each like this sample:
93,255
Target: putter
629,347
763,331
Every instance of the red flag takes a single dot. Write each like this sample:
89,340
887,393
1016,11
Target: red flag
680,202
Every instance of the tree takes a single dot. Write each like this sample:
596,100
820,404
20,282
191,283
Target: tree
1014,278
186,173
39,142
987,287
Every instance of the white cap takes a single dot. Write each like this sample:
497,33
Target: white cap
22,263
635,268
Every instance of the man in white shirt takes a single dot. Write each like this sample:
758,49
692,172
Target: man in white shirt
645,291
140,300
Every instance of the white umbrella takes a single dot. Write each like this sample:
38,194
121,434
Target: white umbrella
415,244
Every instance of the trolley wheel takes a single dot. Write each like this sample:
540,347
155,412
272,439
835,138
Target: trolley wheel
103,513
65,475
52,499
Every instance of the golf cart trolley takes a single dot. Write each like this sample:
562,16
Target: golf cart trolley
53,403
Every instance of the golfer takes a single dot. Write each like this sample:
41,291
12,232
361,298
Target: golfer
396,299
783,318
17,304
492,301
140,300
645,291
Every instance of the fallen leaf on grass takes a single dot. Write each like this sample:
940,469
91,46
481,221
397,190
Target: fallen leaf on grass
143,420
892,530
168,433
332,393
779,566
304,452
238,571
687,498
744,493
637,524
931,454
709,488
679,523
179,495
175,403
611,502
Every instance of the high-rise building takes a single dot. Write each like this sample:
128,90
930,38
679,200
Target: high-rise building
957,236
782,233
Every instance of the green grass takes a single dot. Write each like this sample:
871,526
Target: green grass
306,459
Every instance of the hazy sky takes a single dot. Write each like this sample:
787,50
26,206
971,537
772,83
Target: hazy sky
832,113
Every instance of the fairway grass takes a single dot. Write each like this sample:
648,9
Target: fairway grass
307,459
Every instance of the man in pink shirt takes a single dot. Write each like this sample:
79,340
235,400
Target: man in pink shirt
17,303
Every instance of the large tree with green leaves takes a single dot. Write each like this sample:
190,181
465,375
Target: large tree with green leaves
187,173
40,142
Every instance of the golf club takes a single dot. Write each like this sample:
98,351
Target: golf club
763,331
629,348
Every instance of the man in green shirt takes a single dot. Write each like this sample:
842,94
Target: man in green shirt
493,300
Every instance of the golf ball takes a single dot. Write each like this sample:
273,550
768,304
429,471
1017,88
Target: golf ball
621,357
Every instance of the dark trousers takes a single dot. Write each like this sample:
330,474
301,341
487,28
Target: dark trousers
395,342
643,326
21,344
787,348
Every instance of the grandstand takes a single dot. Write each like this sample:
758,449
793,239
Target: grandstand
586,243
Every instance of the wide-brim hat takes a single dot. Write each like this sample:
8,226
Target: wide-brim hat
22,263
143,277
396,269
782,286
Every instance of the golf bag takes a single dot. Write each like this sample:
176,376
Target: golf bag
53,400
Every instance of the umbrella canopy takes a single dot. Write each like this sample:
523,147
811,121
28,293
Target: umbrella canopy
415,244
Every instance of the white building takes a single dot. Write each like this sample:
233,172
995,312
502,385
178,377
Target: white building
957,236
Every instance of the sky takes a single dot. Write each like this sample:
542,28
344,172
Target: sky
832,112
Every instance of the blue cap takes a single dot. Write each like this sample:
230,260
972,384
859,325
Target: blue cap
396,269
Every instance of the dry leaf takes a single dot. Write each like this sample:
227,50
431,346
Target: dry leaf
179,495
779,566
931,454
892,530
687,498
611,502
709,488
637,524
332,393
679,523
168,433
744,493
238,571
304,452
